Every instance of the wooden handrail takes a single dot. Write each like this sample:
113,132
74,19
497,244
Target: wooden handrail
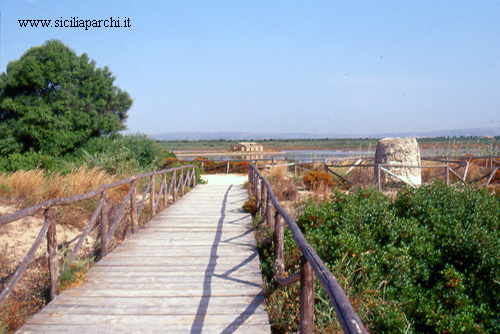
348,319
49,228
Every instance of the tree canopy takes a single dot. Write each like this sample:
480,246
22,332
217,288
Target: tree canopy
53,101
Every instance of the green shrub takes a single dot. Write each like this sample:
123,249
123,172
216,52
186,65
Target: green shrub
32,160
427,261
126,154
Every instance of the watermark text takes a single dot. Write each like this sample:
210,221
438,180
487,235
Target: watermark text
76,22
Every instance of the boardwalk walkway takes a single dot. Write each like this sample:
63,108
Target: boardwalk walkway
192,269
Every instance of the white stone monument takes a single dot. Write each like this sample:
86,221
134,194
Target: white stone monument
399,151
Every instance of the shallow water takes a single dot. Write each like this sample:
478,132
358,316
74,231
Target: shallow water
301,155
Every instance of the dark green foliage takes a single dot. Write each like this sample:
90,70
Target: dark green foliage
53,101
426,262
127,154
122,154
31,160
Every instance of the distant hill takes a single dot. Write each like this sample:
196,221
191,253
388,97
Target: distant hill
479,132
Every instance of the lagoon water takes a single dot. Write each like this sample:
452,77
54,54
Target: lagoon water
301,155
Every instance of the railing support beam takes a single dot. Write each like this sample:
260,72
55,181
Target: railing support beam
52,253
306,297
104,224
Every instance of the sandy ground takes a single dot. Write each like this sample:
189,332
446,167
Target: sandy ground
17,237
225,179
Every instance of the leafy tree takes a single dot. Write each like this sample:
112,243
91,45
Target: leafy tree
53,101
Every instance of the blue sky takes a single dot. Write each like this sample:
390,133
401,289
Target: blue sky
341,67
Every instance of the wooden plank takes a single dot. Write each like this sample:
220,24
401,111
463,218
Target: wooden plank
194,268
160,323
119,329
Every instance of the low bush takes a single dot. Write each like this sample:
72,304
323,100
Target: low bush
315,178
427,261
250,206
128,154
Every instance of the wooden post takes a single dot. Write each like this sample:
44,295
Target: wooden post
295,169
278,235
255,181
133,206
258,185
202,166
262,199
164,183
104,224
306,297
227,168
174,179
269,213
194,177
182,181
447,173
52,252
250,178
152,195
466,170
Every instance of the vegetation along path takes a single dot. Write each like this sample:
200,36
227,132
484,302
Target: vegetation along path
193,269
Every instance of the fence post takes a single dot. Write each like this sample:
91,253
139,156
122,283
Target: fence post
182,181
306,297
52,253
152,195
133,206
165,186
263,198
269,213
447,173
279,263
257,191
174,178
227,168
194,177
104,224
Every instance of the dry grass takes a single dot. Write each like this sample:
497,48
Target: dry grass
283,184
361,175
320,193
23,185
35,186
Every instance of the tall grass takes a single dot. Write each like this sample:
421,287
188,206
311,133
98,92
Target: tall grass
36,185
283,184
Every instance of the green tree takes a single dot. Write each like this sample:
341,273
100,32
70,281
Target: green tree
53,101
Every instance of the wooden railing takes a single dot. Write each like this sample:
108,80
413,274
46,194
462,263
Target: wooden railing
180,177
311,264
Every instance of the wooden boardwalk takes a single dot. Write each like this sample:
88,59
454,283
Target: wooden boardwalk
193,269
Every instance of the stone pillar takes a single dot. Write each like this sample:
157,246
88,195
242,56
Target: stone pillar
399,151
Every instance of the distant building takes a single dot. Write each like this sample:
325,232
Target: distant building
247,147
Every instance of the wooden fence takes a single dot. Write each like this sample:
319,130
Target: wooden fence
449,165
311,263
180,177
